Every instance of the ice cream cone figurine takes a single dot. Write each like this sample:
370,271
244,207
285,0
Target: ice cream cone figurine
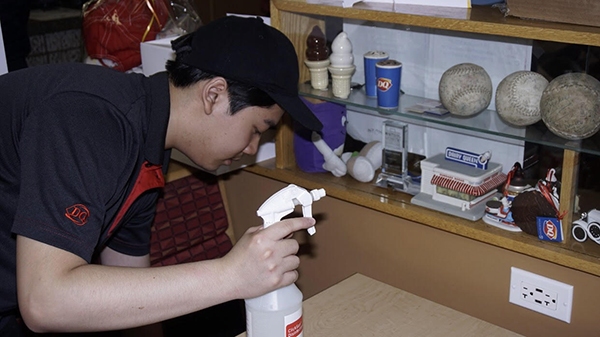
317,59
342,65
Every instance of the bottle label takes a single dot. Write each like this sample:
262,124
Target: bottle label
248,322
293,324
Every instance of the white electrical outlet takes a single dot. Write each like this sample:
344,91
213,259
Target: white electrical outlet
541,294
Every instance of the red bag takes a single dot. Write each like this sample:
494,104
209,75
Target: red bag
114,29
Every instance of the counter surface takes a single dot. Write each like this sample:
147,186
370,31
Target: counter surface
362,306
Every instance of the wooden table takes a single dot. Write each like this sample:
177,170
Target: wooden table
362,306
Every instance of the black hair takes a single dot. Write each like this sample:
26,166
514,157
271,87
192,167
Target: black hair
241,95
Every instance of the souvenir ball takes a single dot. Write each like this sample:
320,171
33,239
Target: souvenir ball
570,106
518,97
465,89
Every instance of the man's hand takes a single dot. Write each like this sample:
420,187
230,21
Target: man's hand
265,259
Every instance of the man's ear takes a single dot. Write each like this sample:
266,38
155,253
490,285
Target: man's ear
214,91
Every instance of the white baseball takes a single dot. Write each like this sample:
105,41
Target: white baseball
465,89
518,97
570,106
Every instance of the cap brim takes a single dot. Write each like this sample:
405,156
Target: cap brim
298,110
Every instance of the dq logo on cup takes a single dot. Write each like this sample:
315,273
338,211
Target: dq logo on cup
384,84
389,74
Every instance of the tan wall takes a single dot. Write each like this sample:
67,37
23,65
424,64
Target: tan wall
460,273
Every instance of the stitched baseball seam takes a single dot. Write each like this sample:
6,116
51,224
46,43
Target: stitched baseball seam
514,98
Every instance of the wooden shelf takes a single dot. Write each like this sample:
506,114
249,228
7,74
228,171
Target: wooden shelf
295,18
479,19
580,256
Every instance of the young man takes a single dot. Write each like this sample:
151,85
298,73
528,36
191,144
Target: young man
83,150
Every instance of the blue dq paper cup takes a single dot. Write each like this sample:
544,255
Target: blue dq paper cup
389,75
371,58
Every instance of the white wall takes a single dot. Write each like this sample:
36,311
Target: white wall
425,55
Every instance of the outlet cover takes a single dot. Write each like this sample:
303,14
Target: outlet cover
541,294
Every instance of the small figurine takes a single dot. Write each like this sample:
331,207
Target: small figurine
332,161
341,51
515,183
342,65
587,227
316,45
533,207
497,212
360,165
309,157
317,59
457,183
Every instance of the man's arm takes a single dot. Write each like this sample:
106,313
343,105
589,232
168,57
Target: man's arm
110,257
59,291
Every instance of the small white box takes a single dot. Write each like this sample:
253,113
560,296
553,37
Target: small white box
462,178
437,171
155,55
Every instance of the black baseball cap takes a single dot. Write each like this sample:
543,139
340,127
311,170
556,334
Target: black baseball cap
249,51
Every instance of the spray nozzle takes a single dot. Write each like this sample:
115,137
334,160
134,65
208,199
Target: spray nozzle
285,200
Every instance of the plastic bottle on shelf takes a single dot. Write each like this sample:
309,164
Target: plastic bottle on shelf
279,312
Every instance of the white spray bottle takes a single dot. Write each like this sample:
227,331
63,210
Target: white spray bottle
279,313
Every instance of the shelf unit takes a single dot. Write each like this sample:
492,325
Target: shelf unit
485,124
296,18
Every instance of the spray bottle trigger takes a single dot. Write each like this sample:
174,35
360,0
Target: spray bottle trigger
307,209
307,213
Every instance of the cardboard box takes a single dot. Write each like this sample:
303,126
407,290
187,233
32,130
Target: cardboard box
581,12
155,54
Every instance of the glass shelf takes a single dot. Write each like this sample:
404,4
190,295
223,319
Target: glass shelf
487,124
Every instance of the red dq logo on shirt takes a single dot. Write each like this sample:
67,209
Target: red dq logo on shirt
78,213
